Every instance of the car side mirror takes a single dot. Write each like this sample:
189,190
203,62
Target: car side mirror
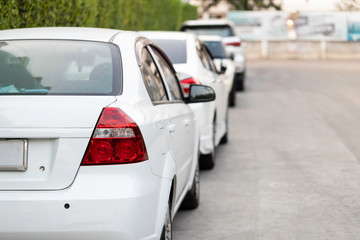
223,68
200,93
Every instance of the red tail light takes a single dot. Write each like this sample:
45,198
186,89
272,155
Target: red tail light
185,84
117,140
235,44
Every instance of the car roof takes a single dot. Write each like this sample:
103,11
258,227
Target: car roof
73,33
166,35
208,22
210,38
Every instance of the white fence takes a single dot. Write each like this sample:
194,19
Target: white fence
317,26
302,50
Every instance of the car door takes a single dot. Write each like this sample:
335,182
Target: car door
221,93
181,127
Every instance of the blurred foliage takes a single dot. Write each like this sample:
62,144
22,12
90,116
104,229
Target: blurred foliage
245,4
348,5
118,14
206,4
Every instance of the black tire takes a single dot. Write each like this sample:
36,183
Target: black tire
167,228
192,198
207,161
240,82
232,95
224,139
241,86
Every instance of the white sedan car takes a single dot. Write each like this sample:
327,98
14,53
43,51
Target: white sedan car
96,138
189,55
222,62
235,47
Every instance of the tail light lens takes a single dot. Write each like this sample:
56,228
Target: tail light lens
235,44
116,140
185,84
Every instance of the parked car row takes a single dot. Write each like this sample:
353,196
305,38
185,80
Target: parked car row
103,132
190,56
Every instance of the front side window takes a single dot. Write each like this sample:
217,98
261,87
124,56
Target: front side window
152,78
174,49
57,67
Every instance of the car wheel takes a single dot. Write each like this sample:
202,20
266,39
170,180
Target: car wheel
192,198
207,161
232,95
167,228
224,139
240,82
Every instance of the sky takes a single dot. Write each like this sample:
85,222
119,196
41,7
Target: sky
309,5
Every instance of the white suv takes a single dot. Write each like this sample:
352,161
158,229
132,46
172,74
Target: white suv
234,45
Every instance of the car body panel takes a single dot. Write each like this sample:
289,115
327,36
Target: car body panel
194,67
220,61
127,201
104,202
51,129
236,52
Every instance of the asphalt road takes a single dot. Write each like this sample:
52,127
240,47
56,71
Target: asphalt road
291,169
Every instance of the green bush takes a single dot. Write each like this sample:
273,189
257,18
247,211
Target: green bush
119,14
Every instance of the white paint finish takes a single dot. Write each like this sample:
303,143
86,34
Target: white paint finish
41,112
182,143
195,68
53,125
114,202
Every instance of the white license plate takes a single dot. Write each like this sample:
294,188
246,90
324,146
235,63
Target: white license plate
13,155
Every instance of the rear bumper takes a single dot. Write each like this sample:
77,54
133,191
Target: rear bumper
106,202
239,63
239,58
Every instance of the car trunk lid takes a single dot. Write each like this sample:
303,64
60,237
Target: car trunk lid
43,139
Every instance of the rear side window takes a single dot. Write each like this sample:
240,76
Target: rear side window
57,67
152,78
174,49
219,30
205,58
216,48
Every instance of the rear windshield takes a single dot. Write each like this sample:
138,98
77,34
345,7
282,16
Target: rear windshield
218,30
216,49
37,67
174,49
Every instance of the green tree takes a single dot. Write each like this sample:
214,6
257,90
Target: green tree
206,4
119,14
245,4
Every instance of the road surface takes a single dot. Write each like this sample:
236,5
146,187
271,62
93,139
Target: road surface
291,169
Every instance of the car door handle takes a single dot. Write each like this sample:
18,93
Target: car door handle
171,128
187,122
